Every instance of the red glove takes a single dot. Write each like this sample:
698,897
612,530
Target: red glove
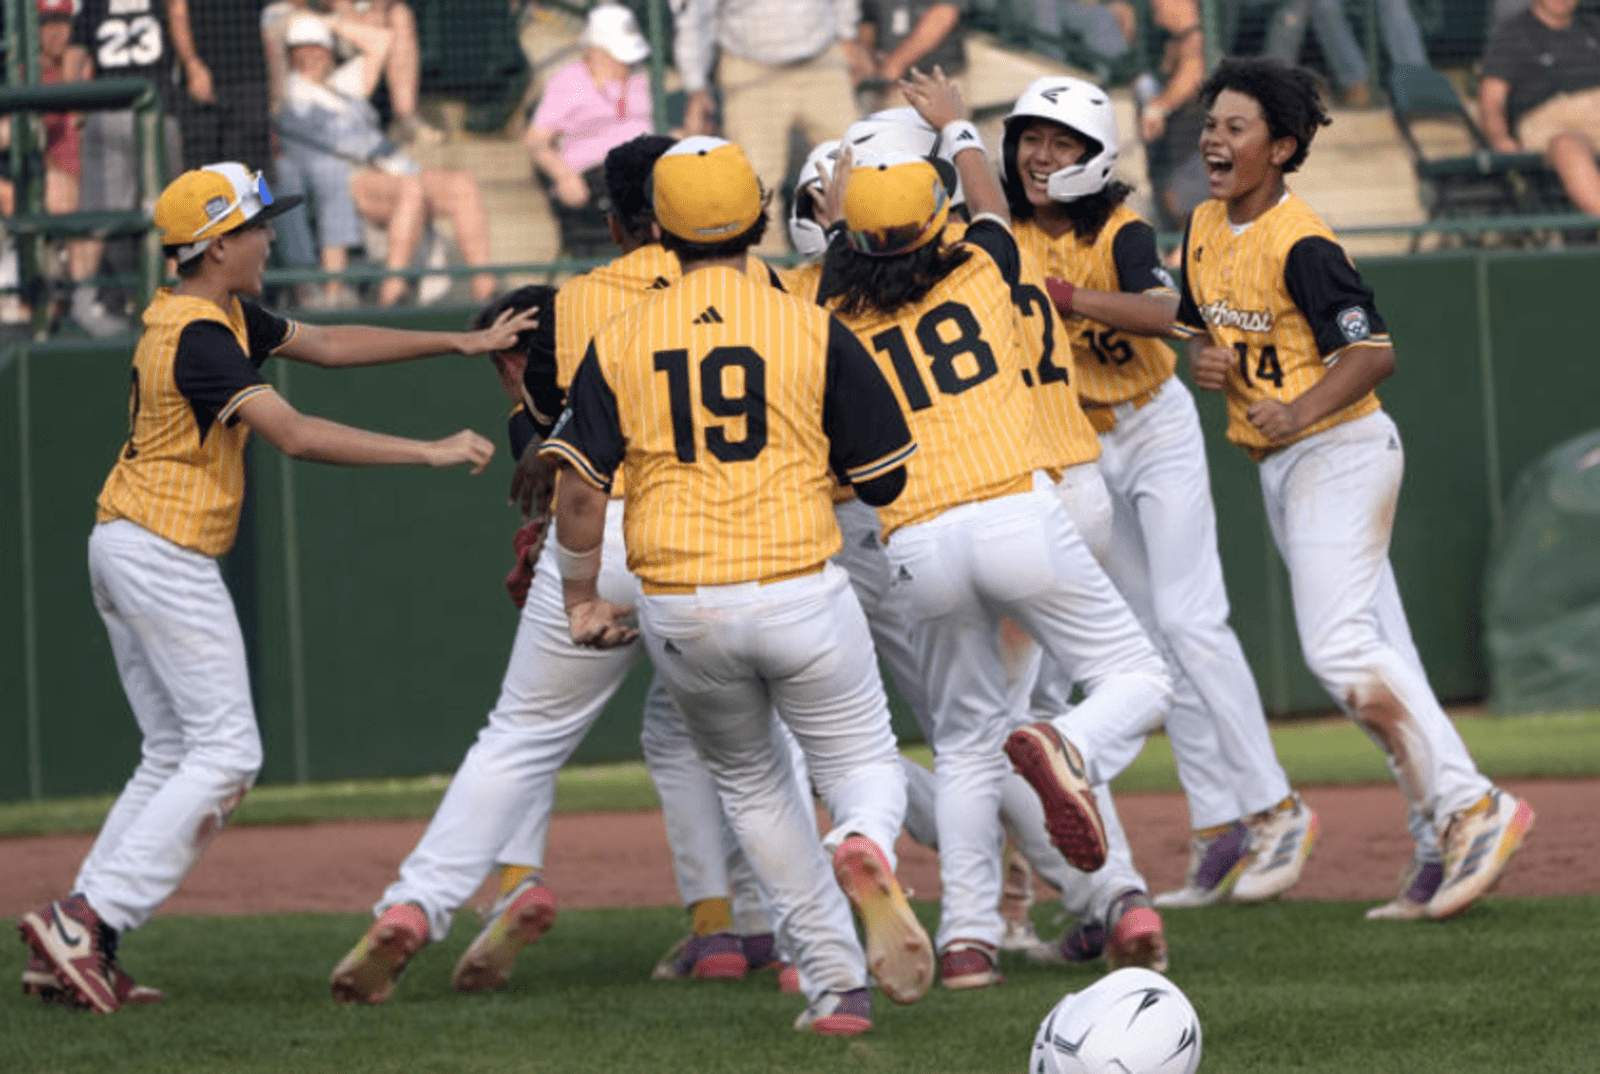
1060,293
526,543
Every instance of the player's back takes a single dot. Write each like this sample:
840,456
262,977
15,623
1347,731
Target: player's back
719,384
956,358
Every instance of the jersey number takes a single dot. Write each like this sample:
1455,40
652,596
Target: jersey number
1267,367
1108,346
1027,297
134,42
130,451
750,404
944,352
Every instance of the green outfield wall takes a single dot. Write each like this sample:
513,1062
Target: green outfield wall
372,600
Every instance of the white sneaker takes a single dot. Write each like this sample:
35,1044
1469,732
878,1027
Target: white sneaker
1280,843
1477,843
1419,880
1215,862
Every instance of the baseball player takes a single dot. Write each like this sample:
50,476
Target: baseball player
170,507
1252,835
1070,443
499,803
972,540
1279,320
728,406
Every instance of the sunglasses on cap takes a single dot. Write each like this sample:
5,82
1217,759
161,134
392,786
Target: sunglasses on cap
257,190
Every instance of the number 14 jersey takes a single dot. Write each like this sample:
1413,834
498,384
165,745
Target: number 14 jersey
1282,294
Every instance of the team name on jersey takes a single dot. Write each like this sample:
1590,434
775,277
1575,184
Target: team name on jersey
1223,315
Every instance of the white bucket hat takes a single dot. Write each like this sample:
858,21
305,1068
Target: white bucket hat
613,28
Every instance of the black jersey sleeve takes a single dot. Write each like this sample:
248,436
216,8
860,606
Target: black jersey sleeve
266,331
995,239
867,433
1336,302
539,374
588,435
1189,320
1139,267
521,431
214,373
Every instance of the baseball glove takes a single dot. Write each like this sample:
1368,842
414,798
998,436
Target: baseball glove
527,543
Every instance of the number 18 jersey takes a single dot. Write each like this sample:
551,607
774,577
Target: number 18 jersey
957,360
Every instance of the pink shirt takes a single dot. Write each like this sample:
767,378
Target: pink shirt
592,120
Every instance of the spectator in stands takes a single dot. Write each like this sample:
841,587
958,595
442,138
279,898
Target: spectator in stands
1347,62
326,117
784,64
402,70
897,35
1540,93
590,106
1171,116
119,39
224,115
62,165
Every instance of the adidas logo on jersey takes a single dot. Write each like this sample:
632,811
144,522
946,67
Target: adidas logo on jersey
709,316
660,284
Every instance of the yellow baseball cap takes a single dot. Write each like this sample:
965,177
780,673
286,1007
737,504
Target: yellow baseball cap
706,191
199,205
894,203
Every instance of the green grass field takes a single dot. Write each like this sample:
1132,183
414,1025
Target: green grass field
1314,752
1306,987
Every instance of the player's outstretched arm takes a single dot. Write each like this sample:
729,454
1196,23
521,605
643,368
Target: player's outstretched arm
1138,315
301,436
938,101
343,345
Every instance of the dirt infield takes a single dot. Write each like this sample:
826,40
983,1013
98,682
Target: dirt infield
621,859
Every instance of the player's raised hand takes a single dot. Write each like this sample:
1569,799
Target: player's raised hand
600,624
533,482
833,189
502,334
1210,364
463,447
935,97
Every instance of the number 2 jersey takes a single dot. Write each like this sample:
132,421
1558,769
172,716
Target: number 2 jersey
959,361
729,406
1282,295
1112,367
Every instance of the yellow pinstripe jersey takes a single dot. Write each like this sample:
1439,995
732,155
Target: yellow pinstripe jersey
1284,296
728,406
585,304
802,280
1112,367
174,477
957,359
1064,434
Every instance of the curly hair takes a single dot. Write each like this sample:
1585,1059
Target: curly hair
864,284
628,168
1287,95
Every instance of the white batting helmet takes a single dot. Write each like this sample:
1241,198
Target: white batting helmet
1080,106
804,231
902,130
1131,1021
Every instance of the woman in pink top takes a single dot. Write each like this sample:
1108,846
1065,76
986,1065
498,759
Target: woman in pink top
589,107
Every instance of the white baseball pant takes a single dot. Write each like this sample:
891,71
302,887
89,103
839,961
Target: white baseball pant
180,655
500,800
1330,502
730,655
1164,560
957,576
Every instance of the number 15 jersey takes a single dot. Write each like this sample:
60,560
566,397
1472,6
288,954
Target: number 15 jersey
1284,297
727,404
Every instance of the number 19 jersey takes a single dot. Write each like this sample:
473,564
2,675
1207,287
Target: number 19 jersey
727,404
